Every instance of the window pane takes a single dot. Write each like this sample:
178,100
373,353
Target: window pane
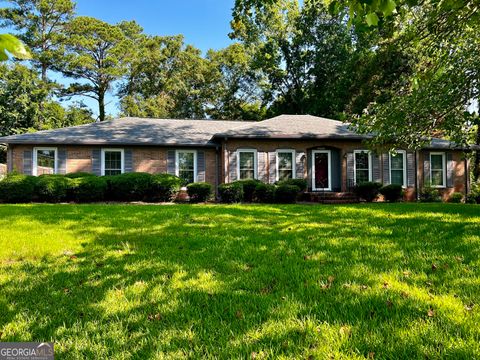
436,162
437,178
361,160
45,162
284,174
285,165
113,162
397,177
186,167
362,176
396,161
247,160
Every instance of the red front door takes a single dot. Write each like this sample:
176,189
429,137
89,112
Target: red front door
321,161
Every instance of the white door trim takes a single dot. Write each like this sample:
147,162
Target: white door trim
329,153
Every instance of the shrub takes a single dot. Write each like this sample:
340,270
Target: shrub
474,195
248,189
16,188
300,183
456,198
87,189
265,193
286,194
392,192
429,194
164,187
52,188
231,193
199,191
368,191
128,187
79,175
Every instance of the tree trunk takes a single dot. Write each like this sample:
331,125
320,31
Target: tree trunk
101,105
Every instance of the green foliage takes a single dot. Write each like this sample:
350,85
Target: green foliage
87,189
231,193
474,194
10,44
79,175
52,188
249,187
265,193
286,194
199,191
367,191
392,192
128,187
164,187
456,198
429,194
16,188
301,183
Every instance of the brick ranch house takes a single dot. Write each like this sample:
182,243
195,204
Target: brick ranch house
325,152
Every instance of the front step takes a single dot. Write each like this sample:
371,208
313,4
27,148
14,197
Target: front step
331,197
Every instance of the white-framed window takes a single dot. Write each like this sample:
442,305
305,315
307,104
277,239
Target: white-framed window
398,168
44,161
113,162
285,164
362,166
438,174
186,165
246,164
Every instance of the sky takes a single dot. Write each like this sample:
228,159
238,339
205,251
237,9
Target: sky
205,24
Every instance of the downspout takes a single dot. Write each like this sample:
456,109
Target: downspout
467,177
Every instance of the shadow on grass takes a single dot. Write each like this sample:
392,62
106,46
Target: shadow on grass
389,281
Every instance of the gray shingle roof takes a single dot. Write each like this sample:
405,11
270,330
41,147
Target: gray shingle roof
131,131
139,131
294,126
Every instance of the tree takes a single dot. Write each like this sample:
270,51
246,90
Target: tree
10,44
97,54
40,24
169,79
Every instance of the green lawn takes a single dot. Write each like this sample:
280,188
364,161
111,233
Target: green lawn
358,281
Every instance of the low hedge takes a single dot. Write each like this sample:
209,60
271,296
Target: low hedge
79,175
17,188
249,187
199,192
265,193
87,189
163,188
128,187
231,193
52,188
286,194
392,192
300,183
367,191
456,198
430,194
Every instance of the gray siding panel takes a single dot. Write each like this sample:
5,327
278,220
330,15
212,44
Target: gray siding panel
62,161
272,167
350,169
171,162
300,165
27,162
376,171
450,170
386,168
200,166
410,169
233,166
128,161
96,162
426,168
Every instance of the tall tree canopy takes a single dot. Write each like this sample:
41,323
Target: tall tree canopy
40,24
97,54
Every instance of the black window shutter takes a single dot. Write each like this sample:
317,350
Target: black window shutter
376,171
200,166
350,170
411,169
96,162
386,168
450,170
128,166
27,162
62,161
171,162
